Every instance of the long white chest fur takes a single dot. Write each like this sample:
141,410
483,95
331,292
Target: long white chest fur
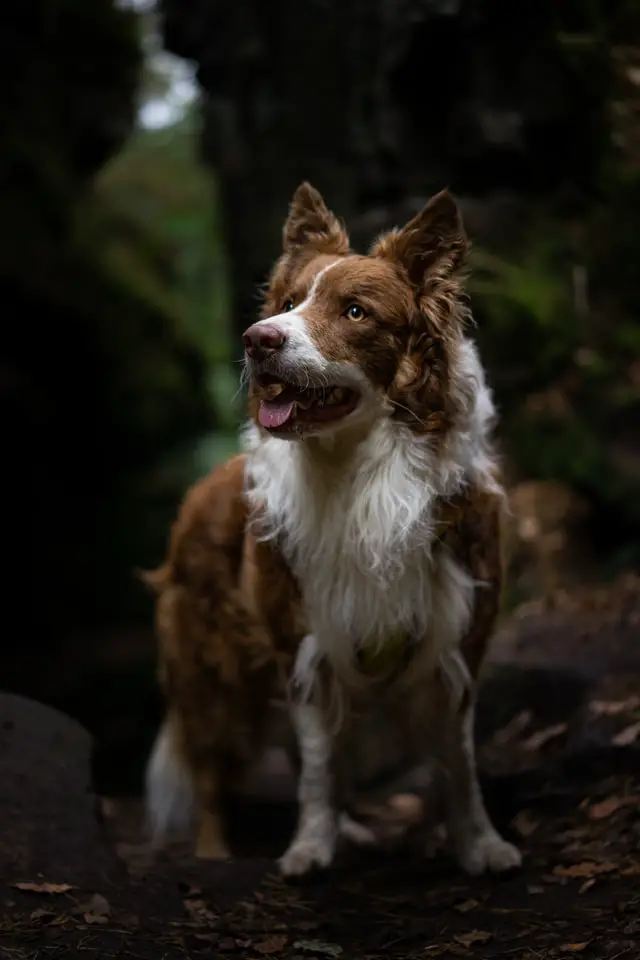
359,531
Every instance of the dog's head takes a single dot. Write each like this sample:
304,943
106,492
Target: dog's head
346,338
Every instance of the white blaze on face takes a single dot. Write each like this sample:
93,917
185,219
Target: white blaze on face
299,350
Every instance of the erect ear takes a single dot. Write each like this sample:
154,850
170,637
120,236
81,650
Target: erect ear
432,245
311,224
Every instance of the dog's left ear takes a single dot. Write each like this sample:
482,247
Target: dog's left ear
311,224
432,245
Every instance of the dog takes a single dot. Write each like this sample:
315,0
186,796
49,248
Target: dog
350,558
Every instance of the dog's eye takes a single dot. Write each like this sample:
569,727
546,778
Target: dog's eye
287,305
355,312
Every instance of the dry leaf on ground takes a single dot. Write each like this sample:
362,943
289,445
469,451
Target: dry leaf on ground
474,936
612,708
318,946
466,905
273,944
199,911
94,918
97,906
599,811
42,887
513,729
588,868
42,914
586,886
627,736
573,947
539,739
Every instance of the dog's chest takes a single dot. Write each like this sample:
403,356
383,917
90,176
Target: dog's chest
364,597
362,545
359,576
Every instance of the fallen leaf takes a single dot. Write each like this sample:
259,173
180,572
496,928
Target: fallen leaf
448,948
95,918
539,739
627,736
474,936
41,914
573,947
612,708
96,906
599,811
515,727
586,869
524,823
42,887
273,944
586,886
466,905
199,911
317,946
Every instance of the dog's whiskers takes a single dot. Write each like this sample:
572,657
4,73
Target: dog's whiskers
401,406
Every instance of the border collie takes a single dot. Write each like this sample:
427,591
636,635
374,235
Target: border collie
350,558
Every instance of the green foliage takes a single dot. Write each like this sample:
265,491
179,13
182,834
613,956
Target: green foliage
560,334
156,189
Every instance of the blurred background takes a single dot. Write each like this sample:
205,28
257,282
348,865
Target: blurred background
148,156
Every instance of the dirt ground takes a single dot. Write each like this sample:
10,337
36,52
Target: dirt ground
559,730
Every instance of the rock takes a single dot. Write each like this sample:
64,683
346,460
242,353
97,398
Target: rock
48,814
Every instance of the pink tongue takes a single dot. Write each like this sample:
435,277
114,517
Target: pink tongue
272,414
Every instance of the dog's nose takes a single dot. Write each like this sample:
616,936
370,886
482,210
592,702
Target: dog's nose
261,339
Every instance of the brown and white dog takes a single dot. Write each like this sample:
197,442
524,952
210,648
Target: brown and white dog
351,558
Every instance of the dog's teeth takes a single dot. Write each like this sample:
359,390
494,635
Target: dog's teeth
273,390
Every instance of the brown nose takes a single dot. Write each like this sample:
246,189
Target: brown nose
261,339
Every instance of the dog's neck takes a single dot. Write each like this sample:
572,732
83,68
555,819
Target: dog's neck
373,496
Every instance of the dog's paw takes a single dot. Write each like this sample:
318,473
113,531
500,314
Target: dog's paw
305,855
488,852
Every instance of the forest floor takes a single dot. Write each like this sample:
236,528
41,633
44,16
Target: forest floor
559,732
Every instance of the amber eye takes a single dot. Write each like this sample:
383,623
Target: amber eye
286,306
355,312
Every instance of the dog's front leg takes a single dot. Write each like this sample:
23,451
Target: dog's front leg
316,835
477,844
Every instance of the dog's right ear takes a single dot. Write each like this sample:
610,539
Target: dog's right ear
311,224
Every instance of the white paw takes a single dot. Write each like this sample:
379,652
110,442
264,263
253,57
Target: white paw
488,851
306,854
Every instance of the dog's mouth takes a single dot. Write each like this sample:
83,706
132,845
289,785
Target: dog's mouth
288,407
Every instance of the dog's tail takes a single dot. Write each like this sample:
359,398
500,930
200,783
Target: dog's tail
170,798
